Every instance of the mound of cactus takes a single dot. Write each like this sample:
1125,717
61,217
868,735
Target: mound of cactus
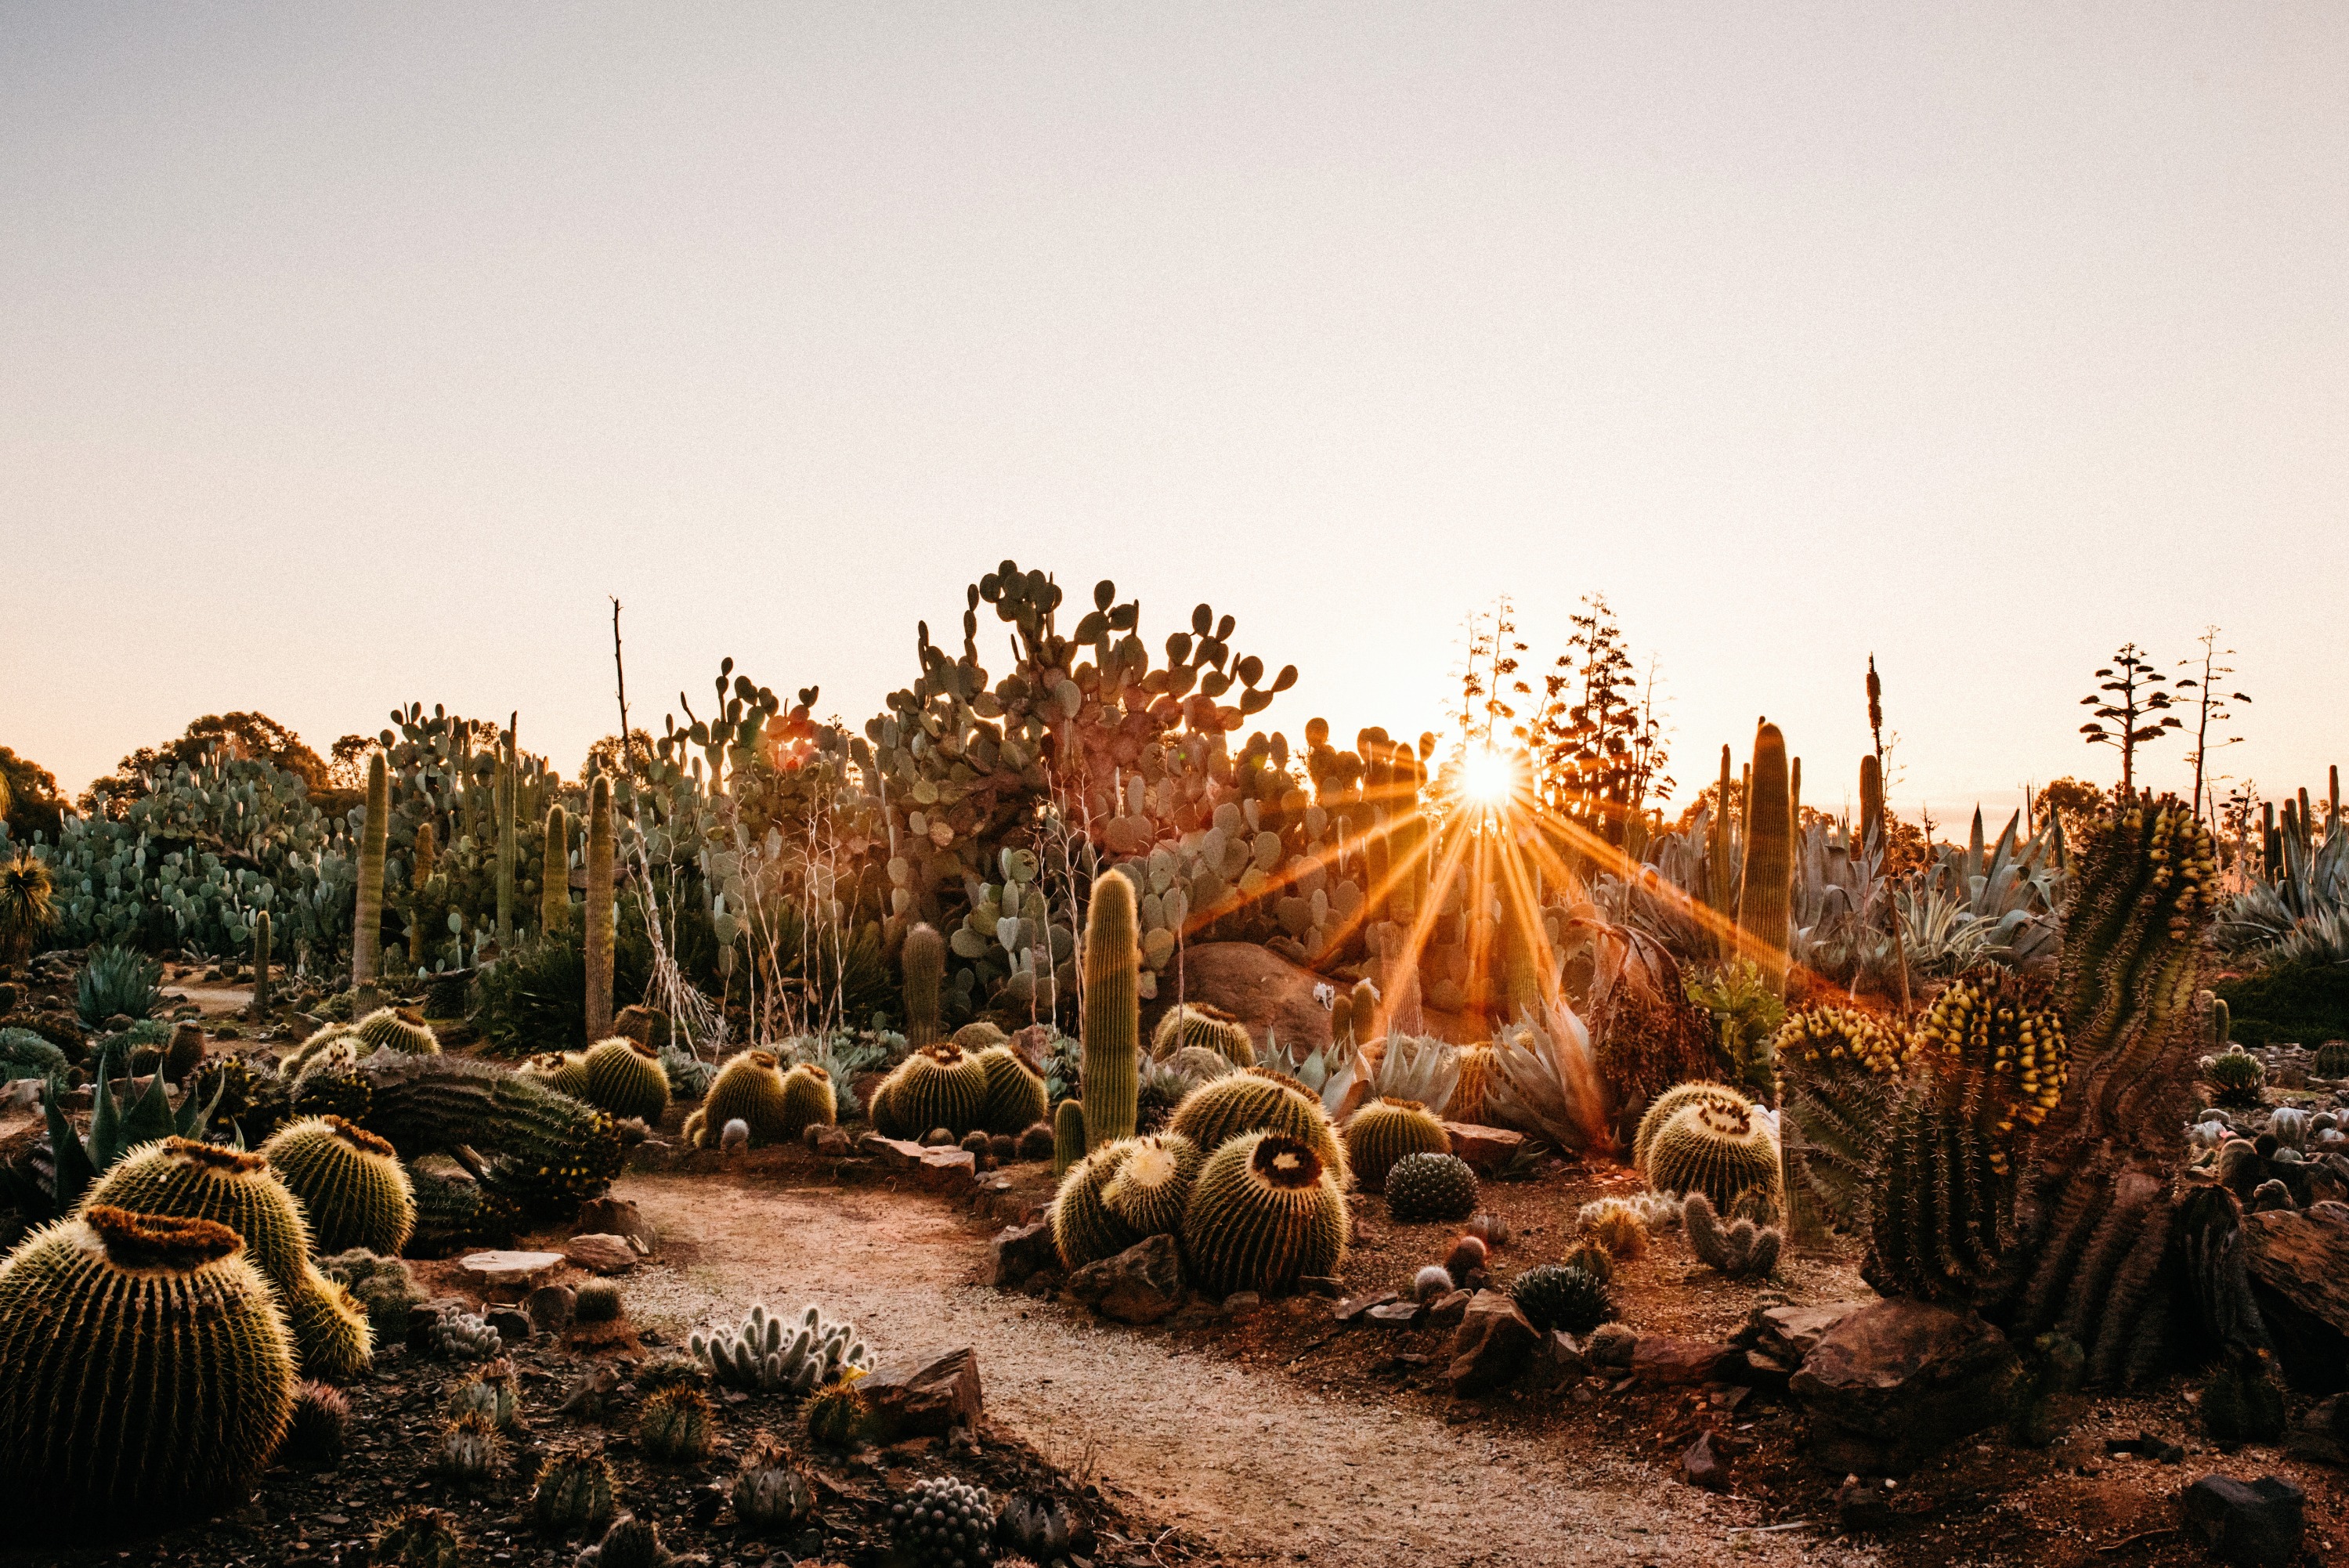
770,1491
397,1030
1265,1213
1015,1096
1554,1295
625,1078
677,1426
748,1088
1194,1026
1740,1248
1151,1183
574,1495
353,1188
1712,1147
1257,1099
144,1369
1431,1187
1084,1228
766,1353
1615,1223
939,1086
944,1523
1384,1130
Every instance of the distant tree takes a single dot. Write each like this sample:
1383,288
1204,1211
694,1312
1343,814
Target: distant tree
252,736
1596,743
347,760
2075,800
33,804
605,754
2130,708
2209,705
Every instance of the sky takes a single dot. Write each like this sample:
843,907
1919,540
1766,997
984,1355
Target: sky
355,355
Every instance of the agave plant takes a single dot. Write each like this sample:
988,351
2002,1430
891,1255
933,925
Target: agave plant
2306,906
1542,1079
117,980
1415,1066
77,1162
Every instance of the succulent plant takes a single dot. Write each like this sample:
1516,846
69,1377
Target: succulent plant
574,1495
838,1412
144,1368
1084,1228
601,927
544,1150
1670,1103
630,1542
397,1030
1384,1130
624,1077
367,918
1740,1249
383,1286
1712,1147
464,1336
1257,1099
1264,1213
2237,1076
677,1426
596,1301
490,1391
2333,1060
454,1210
1151,1183
923,960
117,981
318,1430
1432,1283
554,873
1431,1187
2241,1400
1068,1136
1839,1070
353,1189
937,1085
1015,1096
1039,1524
1554,1295
1616,1224
419,1538
808,1100
770,1491
690,1076
1112,1008
1194,1026
766,1353
944,1523
1766,887
749,1087
470,1451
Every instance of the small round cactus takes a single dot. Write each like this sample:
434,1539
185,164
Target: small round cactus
1015,1096
2333,1060
1591,1259
400,1029
1432,1284
320,1429
419,1538
1384,1131
1431,1187
749,1087
837,1412
677,1426
1617,1226
944,1523
463,1336
1670,1103
808,1100
471,1450
564,1072
1554,1295
624,1077
1035,1144
1152,1184
1194,1024
1084,1229
1468,1254
574,1495
630,1542
332,1330
770,1492
1264,1213
1068,1136
1716,1148
597,1301
1258,1100
352,1185
490,1390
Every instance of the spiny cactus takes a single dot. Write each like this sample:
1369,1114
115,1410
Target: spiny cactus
2237,1076
1264,1213
924,958
1084,1229
367,919
839,1413
1152,1183
808,1100
1765,891
545,1150
1591,1259
770,1491
1670,1103
318,1430
352,1186
261,941
1467,1103
492,1391
766,1353
2241,1401
144,1367
471,1450
677,1426
554,874
463,1336
937,1085
1740,1250
397,1030
601,928
1839,1072
1431,1284
2333,1060
1553,1295
1615,1223
630,1542
1384,1130
382,1285
1716,1148
1015,1096
453,1210
564,1072
596,1301
624,1077
421,866
419,1538
290,1066
1430,1187
573,1494
332,1083
944,1523
1257,1099
749,1087
1112,1008
1067,1137
1190,1026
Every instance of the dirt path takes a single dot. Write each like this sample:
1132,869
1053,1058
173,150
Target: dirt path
1266,1466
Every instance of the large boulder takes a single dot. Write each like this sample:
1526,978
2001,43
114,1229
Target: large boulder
1141,1284
1257,986
1495,1345
1019,1253
1898,1381
2258,1525
2299,1265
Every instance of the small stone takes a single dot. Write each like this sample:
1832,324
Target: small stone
829,1142
2254,1526
1488,1148
610,1216
1141,1284
1321,1285
1704,1468
1448,1309
1669,1361
1242,1304
895,1154
1394,1315
925,1399
601,1255
1862,1505
513,1325
947,1170
508,1270
1354,1306
1495,1344
549,1307
1019,1251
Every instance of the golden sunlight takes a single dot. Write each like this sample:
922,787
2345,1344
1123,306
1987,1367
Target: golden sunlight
1488,777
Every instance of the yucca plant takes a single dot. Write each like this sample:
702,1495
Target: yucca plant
116,980
26,913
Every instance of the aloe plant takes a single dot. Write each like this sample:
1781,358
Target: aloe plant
115,1130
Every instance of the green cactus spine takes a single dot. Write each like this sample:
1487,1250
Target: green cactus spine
544,1150
367,920
808,1100
1384,1130
937,1085
1152,1184
1015,1096
1191,1024
624,1077
1429,1186
925,958
1067,1137
1083,1227
749,1089
599,932
677,1426
554,874
1839,1071
351,1184
1258,1100
1669,1104
260,964
419,872
397,1030
1113,1021
1765,891
1717,1149
144,1369
1264,1213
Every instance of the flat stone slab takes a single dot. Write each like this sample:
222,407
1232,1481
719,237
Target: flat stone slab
603,1253
1395,1314
896,1153
509,1270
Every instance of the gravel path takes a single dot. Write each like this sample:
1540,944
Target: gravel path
1266,1466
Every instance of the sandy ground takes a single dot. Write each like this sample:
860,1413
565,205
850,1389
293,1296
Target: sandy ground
1263,1464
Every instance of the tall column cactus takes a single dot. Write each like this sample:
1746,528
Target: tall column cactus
366,928
1113,1021
599,911
925,960
509,785
554,874
260,964
1871,804
1765,892
1721,877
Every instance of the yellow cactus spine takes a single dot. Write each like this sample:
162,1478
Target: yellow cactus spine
599,911
1112,1012
367,922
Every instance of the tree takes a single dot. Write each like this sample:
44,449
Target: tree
1598,745
2130,712
254,736
2210,707
2074,800
347,760
33,804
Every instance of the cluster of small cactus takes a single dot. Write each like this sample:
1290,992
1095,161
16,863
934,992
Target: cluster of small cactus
1265,1213
1740,1248
625,1078
1558,1295
1615,1223
2237,1076
677,1426
464,1336
748,1088
1431,1186
574,1495
768,1354
353,1188
1384,1130
1257,1099
383,1286
944,1523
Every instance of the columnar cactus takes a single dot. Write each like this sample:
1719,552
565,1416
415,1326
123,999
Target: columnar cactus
1113,1021
352,1185
1067,1137
925,960
509,784
1765,891
554,874
419,872
624,1077
1871,804
144,1369
599,933
1384,1130
367,920
260,964
1839,1070
1264,1213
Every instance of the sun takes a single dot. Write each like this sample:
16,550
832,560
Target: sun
1488,777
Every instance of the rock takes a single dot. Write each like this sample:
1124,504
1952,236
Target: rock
924,1399
1493,1348
1325,1285
615,1217
952,1172
1565,1355
513,1325
20,1094
1488,1148
2303,1256
1788,1333
1612,1345
829,1142
1766,1373
507,1271
2254,1526
1265,991
1703,1467
1141,1284
2322,1432
1669,1361
1243,1303
1395,1314
601,1255
1900,1380
549,1307
1354,1306
895,1154
1449,1308
1019,1250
